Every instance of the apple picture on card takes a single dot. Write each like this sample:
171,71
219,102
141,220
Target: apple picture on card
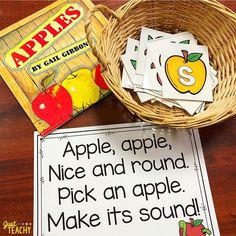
152,66
193,228
186,73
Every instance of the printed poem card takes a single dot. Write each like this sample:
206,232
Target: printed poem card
130,179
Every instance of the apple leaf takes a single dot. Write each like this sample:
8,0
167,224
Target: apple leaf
134,63
150,37
185,42
194,57
197,222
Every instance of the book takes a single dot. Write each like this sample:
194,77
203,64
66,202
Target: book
125,179
47,63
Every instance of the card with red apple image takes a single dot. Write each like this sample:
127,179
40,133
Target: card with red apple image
151,78
185,72
146,35
129,60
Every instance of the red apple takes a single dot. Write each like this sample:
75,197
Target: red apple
54,105
194,228
99,80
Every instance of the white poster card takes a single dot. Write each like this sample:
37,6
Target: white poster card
130,179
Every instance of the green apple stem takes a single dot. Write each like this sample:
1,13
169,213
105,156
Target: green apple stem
183,226
43,85
47,80
185,54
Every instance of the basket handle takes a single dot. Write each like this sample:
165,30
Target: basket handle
223,9
88,30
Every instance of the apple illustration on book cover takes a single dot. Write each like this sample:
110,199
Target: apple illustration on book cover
53,104
78,91
98,78
82,88
193,228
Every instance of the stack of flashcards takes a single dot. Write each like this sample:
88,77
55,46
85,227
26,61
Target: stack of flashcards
170,68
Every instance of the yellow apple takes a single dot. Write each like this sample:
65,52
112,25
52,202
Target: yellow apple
187,73
82,88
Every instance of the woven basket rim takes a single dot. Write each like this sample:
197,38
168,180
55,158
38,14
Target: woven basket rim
208,117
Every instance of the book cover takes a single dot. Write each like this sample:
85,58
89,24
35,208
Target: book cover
47,63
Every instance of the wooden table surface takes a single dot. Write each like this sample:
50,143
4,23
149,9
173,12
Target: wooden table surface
16,141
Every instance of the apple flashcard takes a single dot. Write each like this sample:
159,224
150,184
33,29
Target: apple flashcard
147,34
128,179
132,47
152,79
129,67
176,71
185,72
126,82
129,59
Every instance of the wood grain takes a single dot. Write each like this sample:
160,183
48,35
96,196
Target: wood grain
16,141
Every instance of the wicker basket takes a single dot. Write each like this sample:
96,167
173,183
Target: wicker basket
212,24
